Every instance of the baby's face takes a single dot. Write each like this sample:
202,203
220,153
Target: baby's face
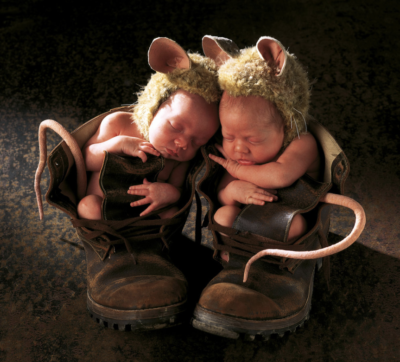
183,124
252,129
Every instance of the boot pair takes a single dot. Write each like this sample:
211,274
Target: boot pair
132,283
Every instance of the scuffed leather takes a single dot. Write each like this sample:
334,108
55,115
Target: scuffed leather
117,283
273,220
61,192
269,293
340,170
117,174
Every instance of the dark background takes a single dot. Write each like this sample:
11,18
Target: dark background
72,60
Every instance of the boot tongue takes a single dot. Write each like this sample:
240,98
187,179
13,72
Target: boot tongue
117,175
273,220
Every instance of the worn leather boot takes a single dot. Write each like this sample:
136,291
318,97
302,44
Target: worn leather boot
277,294
132,283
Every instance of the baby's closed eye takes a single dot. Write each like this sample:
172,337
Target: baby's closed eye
175,126
228,138
255,140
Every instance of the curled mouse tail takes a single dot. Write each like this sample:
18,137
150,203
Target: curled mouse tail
320,253
76,153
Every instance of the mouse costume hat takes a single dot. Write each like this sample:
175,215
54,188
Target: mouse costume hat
176,70
266,70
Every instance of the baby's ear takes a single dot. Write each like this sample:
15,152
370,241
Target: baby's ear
271,50
165,55
219,49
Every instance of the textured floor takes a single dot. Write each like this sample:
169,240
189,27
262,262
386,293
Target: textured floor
70,61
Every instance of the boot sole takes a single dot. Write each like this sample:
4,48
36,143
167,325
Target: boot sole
137,320
231,327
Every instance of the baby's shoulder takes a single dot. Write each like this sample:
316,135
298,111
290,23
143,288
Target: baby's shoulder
306,137
306,142
120,123
303,149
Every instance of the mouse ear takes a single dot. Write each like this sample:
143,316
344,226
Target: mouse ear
271,50
219,49
165,55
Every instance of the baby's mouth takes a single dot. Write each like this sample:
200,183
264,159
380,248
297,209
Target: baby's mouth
245,162
171,152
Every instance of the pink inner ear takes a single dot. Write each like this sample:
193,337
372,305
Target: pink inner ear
175,62
271,50
212,50
165,55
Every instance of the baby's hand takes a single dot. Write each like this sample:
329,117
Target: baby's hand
231,166
248,193
132,146
157,194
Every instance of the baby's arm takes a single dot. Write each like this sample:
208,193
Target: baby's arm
235,192
161,194
294,162
116,134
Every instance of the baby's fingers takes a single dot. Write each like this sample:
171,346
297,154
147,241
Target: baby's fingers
219,160
254,201
151,207
141,155
138,190
141,202
150,150
264,197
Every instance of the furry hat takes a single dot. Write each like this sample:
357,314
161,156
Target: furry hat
266,70
175,69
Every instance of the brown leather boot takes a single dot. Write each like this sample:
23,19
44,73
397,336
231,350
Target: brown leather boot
132,283
277,294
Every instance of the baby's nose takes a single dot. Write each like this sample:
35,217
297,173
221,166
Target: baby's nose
181,143
240,147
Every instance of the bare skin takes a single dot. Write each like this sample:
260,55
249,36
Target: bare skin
253,134
180,127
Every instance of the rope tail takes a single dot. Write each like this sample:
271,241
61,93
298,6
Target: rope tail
76,153
320,253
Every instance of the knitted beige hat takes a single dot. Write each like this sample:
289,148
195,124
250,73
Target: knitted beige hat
266,70
175,69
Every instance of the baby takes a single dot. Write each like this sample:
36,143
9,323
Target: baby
253,133
176,114
265,143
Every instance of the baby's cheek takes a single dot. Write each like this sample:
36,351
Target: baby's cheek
228,149
155,133
154,139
